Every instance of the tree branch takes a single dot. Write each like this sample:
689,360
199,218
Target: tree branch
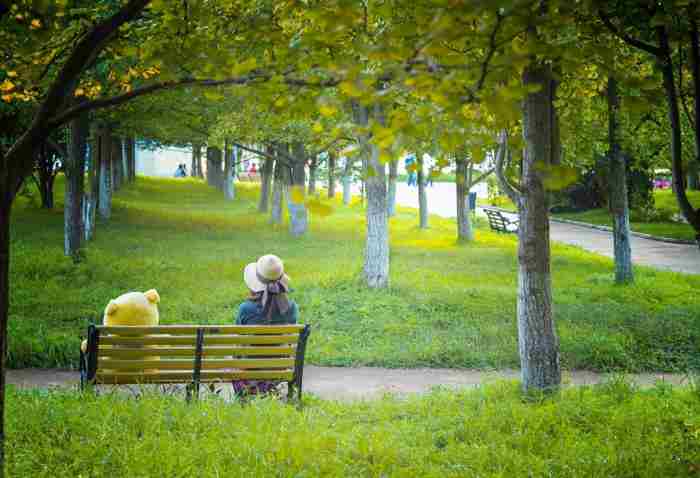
58,149
480,178
647,47
511,190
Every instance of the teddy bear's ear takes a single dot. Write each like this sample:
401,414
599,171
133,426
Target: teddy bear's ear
152,296
111,307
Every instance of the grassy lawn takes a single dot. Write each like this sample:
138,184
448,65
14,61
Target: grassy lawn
610,430
664,200
448,305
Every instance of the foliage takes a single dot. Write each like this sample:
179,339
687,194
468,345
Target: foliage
608,430
447,306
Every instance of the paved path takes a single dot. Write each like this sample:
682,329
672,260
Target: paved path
661,255
340,383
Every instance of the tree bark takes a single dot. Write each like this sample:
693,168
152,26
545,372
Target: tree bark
130,144
694,164
298,215
196,167
538,341
116,159
46,177
90,198
347,182
75,172
266,182
694,174
331,175
229,192
619,206
465,232
313,167
391,196
422,195
214,171
105,201
278,192
376,267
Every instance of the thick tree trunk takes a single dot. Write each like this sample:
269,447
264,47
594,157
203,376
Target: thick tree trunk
694,165
298,215
694,175
278,192
538,341
391,199
376,267
90,198
266,182
347,182
465,233
196,166
619,206
422,195
214,172
75,172
229,158
105,201
331,175
313,167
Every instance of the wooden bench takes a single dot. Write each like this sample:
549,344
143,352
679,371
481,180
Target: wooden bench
194,354
499,222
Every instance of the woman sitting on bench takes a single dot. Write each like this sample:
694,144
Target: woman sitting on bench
267,304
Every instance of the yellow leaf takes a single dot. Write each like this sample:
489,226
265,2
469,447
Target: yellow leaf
317,128
327,111
12,74
7,98
7,85
349,88
79,92
35,24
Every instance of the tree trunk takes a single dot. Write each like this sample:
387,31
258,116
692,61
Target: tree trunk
666,65
331,175
278,192
266,181
694,174
465,233
130,146
391,199
116,160
313,167
46,177
229,192
422,195
196,167
347,182
538,341
75,172
90,198
298,215
619,206
376,267
214,172
694,164
105,201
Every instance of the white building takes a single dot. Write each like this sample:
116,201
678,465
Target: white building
162,162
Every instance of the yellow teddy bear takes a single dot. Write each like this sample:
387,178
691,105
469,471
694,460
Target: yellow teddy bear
132,308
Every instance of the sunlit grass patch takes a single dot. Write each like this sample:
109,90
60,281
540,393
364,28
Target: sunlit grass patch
448,304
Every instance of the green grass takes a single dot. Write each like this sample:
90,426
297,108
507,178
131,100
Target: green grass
442,178
665,203
448,305
609,430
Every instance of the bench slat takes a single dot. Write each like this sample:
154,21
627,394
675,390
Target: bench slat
183,364
185,376
139,353
191,339
208,329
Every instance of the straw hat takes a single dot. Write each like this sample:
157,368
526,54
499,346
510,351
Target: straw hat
268,268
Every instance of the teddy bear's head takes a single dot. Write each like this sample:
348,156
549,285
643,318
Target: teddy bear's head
133,308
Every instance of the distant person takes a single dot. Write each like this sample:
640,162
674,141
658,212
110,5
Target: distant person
184,169
253,168
180,172
409,164
267,304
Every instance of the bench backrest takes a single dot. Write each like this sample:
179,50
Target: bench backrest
194,353
496,220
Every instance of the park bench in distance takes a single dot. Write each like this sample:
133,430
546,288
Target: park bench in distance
499,222
194,354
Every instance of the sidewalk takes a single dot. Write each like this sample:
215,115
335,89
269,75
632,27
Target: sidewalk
341,383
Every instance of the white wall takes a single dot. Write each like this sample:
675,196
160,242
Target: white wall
162,162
